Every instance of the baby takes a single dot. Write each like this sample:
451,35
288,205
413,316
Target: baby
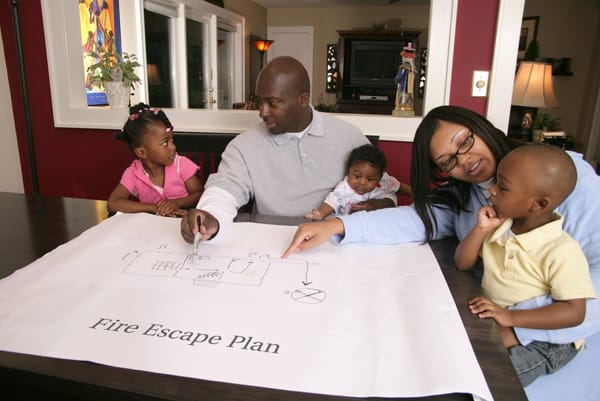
366,186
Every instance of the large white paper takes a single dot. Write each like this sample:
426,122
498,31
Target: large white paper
350,320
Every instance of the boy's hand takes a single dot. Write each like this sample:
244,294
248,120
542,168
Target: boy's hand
484,308
488,219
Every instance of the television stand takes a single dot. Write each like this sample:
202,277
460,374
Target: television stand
358,106
369,62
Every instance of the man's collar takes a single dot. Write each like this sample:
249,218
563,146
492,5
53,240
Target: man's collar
315,128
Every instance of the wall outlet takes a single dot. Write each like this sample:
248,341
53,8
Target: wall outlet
480,83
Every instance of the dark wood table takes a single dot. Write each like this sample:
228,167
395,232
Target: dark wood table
32,225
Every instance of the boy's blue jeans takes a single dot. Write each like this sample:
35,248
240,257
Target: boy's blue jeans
539,358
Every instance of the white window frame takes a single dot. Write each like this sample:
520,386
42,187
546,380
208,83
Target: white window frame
177,76
70,106
212,18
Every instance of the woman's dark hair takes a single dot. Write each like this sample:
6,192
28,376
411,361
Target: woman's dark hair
140,117
367,153
430,187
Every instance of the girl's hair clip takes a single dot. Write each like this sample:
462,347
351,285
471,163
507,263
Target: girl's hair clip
169,129
156,110
133,117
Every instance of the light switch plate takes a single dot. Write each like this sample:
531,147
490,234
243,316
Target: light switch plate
480,83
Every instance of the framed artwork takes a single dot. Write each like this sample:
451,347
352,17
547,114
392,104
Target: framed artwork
100,32
529,29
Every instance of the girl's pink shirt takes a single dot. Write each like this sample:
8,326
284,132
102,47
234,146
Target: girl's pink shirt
138,183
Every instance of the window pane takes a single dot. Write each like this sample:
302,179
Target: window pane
197,84
158,59
225,67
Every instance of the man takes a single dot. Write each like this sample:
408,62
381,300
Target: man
288,163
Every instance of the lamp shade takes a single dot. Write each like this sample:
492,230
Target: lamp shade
533,85
262,44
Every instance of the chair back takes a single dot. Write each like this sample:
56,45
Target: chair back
203,148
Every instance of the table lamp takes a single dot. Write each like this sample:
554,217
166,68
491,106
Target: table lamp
532,90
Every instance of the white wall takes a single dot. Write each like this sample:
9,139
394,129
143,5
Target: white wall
11,179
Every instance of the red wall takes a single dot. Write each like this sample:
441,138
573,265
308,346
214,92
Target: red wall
70,162
88,163
473,49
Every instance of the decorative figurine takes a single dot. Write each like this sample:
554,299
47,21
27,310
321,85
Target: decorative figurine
405,83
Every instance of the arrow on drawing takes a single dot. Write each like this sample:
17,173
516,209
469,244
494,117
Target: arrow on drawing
305,281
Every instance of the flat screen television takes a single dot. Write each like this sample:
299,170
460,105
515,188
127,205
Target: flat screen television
374,63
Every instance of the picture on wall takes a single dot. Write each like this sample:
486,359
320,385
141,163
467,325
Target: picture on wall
529,29
100,33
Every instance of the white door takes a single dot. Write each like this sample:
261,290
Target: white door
294,41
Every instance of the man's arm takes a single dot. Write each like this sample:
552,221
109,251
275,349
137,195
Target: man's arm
373,204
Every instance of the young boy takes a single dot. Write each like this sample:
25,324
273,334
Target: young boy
526,254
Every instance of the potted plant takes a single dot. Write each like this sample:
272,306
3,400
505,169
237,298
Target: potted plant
116,73
546,122
543,122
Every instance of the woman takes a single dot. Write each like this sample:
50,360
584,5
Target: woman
456,151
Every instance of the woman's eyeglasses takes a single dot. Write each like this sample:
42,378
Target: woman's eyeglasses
463,148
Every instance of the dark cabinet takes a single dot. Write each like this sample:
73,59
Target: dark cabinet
369,62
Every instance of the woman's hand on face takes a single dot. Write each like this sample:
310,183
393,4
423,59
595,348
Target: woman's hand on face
310,235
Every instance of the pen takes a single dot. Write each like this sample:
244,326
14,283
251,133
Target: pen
196,239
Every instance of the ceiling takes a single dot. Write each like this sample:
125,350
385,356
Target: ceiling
329,3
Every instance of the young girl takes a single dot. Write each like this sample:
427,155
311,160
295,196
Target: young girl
162,181
366,186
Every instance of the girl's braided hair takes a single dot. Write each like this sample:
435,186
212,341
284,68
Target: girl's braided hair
140,117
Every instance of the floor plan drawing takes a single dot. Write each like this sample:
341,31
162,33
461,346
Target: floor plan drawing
210,271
